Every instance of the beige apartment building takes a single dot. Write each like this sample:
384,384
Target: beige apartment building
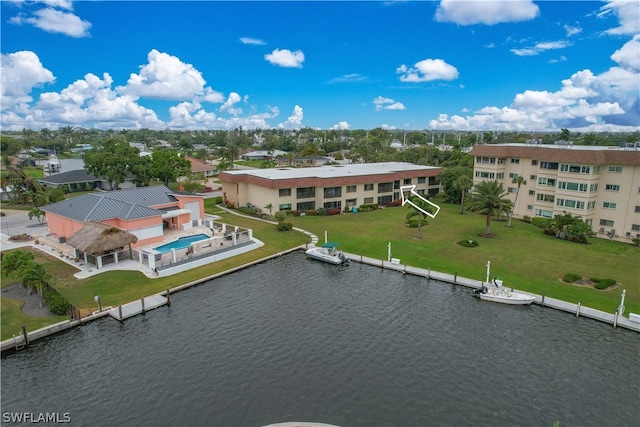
599,184
340,186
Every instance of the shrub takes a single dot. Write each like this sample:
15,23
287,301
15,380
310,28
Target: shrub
571,278
321,211
281,215
636,241
367,208
285,226
57,304
247,211
469,243
217,200
539,222
526,218
296,213
603,283
333,211
394,203
310,212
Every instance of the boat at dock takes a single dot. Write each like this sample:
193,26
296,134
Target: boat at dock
327,253
498,293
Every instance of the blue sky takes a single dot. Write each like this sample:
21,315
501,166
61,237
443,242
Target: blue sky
446,65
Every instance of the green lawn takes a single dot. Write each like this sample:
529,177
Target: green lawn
521,255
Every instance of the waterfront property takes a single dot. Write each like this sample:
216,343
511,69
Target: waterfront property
331,187
599,184
145,212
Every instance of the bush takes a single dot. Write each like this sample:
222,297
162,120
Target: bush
321,211
394,203
280,216
571,278
217,200
285,226
468,243
333,211
310,212
296,213
367,208
247,211
526,218
57,304
539,222
603,283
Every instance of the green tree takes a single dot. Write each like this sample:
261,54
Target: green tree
167,165
463,184
420,213
565,135
489,198
13,260
114,160
520,181
33,275
38,213
448,179
568,227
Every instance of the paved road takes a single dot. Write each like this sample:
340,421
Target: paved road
17,222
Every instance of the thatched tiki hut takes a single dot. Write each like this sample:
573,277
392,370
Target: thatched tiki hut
101,244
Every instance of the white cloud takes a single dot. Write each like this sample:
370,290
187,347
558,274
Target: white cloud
249,40
20,73
572,31
233,99
562,58
295,119
488,12
628,56
541,47
387,127
165,77
285,58
427,70
349,78
343,125
627,13
585,102
382,103
55,21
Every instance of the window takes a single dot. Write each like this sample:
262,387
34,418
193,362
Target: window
549,165
596,169
635,227
513,175
572,186
575,204
305,193
515,161
534,163
544,213
333,205
306,206
383,200
351,202
332,192
512,189
529,207
351,188
486,175
606,223
368,200
615,169
532,193
396,184
422,179
500,175
368,187
433,180
637,209
486,160
502,160
407,181
591,205
551,182
545,197
533,177
284,192
285,207
574,168
593,188
608,205
385,187
612,187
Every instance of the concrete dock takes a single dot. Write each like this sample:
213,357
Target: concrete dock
137,307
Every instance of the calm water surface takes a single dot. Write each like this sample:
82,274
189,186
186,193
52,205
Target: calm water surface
297,340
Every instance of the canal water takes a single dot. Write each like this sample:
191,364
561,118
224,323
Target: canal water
298,340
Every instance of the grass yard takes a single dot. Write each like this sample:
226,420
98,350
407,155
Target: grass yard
521,255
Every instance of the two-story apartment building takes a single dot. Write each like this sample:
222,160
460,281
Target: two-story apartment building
338,186
599,184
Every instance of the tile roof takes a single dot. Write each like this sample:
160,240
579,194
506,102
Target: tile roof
122,204
589,155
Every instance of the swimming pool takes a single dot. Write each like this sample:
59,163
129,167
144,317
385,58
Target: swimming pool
182,242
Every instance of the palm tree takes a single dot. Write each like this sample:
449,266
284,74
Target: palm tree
420,214
489,198
519,180
463,183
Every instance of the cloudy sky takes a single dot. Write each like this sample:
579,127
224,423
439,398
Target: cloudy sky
450,64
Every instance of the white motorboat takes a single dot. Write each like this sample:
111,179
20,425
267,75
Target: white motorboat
498,293
327,253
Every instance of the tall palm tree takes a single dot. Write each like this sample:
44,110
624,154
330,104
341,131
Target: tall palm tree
463,183
519,180
489,198
420,214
